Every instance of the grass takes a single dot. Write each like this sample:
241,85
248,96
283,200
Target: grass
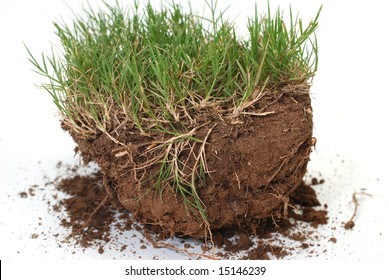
165,71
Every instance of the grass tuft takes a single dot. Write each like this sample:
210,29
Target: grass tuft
163,70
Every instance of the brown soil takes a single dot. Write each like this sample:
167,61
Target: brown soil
90,211
254,166
90,215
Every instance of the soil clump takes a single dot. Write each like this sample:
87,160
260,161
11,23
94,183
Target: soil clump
253,165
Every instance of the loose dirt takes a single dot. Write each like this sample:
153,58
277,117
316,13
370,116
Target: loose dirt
90,214
90,210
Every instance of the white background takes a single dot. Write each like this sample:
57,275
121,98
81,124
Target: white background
350,100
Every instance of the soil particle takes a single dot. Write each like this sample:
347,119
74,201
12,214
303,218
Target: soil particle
314,217
101,250
260,252
263,250
315,181
34,236
123,248
333,240
304,245
243,242
23,194
30,192
349,225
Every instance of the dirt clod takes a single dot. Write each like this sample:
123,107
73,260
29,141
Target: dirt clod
253,167
349,225
23,194
333,240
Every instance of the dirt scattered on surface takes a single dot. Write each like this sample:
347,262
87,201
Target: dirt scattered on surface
30,192
90,210
91,213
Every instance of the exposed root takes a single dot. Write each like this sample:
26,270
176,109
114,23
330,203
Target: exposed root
258,114
185,251
350,223
285,200
237,179
159,244
101,204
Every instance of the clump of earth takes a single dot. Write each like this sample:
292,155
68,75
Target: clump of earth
254,164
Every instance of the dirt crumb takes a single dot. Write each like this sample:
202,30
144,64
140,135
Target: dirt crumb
31,190
349,225
243,242
260,252
123,248
305,195
304,245
315,181
34,236
23,194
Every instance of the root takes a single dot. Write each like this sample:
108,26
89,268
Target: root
185,251
272,250
237,178
101,204
159,244
285,200
350,223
